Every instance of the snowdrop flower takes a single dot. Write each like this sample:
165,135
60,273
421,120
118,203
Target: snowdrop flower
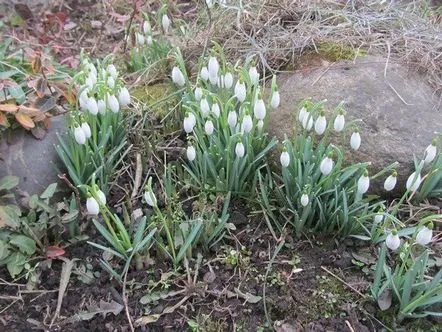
213,80
110,82
274,102
355,140
149,40
320,124
425,235
92,206
213,67
101,106
92,106
91,68
208,127
393,241
247,124
150,197
83,99
326,165
284,158
140,39
147,29
204,105
216,110
178,77
189,123
304,200
90,81
339,123
112,71
228,80
240,91
86,129
79,135
259,110
254,75
204,73
302,114
307,121
198,93
260,125
112,103
124,97
165,21
430,152
220,82
413,181
209,3
379,217
191,153
232,119
363,183
390,182
239,150
101,197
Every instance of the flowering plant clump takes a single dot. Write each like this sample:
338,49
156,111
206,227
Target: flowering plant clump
225,116
96,138
314,190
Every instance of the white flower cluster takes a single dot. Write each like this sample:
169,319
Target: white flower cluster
94,202
423,237
101,91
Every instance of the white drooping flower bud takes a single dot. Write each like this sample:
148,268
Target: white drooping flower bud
355,140
150,198
92,206
165,21
149,40
178,77
254,75
110,82
239,150
304,200
112,71
204,73
91,68
274,102
378,218
240,91
140,39
413,181
216,110
124,97
189,123
320,124
90,81
326,166
260,125
209,4
204,106
228,80
79,135
247,124
112,103
307,121
208,127
430,152
92,106
198,93
284,158
86,129
232,118
259,110
147,29
101,197
390,182
393,241
363,183
339,123
302,113
101,106
83,99
213,67
425,235
213,80
191,153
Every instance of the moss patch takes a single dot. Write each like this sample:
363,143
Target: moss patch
160,97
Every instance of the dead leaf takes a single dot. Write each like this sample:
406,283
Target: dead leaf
31,111
24,120
144,320
23,11
3,120
10,108
103,308
45,104
41,87
38,132
36,63
248,296
54,251
384,300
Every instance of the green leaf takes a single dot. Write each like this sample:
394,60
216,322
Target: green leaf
9,216
24,243
16,263
8,182
49,192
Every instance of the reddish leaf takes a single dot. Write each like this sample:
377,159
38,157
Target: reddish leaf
9,108
54,251
24,120
3,120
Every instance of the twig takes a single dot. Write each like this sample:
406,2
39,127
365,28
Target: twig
73,188
138,174
132,16
126,307
64,280
345,283
398,95
349,326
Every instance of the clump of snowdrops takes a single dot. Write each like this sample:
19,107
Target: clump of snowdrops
314,190
225,116
96,139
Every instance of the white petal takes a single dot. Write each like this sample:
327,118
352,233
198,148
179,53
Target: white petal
79,135
260,109
239,150
86,129
232,119
390,183
274,102
424,236
320,125
413,182
285,159
355,141
304,200
191,153
393,241
92,206
363,184
208,127
339,123
326,166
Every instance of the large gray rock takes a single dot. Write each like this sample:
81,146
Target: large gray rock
398,111
34,161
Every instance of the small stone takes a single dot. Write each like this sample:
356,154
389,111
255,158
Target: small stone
96,24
